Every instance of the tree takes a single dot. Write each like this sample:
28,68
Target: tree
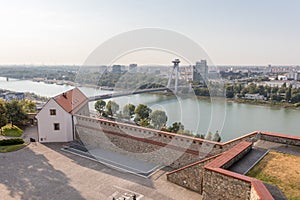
145,122
217,137
28,106
112,107
158,118
99,106
15,112
208,136
288,94
3,118
142,112
176,126
128,111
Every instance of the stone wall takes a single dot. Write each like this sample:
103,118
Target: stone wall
222,187
142,143
280,138
191,176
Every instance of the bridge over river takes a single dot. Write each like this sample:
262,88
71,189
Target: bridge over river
127,93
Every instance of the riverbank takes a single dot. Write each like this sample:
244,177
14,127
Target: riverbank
273,104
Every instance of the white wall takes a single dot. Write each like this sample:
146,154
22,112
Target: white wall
46,124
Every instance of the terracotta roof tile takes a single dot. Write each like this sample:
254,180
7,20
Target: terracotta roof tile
72,100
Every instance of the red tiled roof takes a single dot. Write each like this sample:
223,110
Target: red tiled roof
72,100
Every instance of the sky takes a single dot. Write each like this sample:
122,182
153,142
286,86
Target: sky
232,32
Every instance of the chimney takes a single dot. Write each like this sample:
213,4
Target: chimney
64,95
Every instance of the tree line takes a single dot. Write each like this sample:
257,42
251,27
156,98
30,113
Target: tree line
144,116
238,90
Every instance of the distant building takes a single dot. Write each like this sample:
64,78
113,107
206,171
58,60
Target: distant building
282,78
116,69
9,96
297,76
254,96
200,72
55,119
132,67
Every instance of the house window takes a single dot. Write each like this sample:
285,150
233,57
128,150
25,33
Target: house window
56,126
52,112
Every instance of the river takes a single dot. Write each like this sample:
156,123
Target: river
229,118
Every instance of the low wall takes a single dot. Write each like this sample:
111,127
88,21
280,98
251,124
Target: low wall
191,176
146,144
280,138
219,186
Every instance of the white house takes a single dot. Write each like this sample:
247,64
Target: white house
254,96
55,120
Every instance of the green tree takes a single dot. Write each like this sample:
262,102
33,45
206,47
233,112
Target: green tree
158,118
217,137
128,111
176,127
145,122
3,118
112,107
142,111
28,106
229,91
15,112
288,94
99,106
208,136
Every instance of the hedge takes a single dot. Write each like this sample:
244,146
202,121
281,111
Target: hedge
11,130
12,141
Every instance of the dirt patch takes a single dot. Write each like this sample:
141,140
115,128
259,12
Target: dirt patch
282,170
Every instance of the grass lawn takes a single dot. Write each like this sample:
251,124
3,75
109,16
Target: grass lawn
9,148
282,170
12,131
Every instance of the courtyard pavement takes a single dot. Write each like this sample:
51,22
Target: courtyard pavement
46,172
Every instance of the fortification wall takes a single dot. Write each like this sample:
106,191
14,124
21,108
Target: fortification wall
142,143
191,176
220,186
280,138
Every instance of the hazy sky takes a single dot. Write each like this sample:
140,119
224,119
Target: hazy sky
236,32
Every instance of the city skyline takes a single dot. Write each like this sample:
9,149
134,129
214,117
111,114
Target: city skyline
231,32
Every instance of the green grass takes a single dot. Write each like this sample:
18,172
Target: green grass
10,148
11,131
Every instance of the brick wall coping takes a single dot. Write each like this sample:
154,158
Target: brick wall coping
241,137
193,164
219,144
227,156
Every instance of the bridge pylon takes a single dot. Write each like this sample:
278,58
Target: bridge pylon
176,69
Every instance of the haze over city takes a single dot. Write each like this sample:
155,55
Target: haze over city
231,32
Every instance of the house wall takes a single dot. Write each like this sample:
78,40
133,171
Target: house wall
46,124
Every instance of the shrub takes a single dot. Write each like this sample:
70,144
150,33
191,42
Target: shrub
11,130
12,141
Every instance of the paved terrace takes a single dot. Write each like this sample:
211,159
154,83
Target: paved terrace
46,172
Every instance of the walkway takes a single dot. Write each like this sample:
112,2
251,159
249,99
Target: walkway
248,161
283,148
117,161
46,172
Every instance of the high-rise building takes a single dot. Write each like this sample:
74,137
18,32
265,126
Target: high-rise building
116,69
132,67
200,72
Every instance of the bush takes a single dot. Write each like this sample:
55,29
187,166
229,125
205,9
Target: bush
12,131
12,141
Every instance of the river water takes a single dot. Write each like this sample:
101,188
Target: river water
229,118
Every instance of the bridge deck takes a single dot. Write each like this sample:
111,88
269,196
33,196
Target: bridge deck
127,93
